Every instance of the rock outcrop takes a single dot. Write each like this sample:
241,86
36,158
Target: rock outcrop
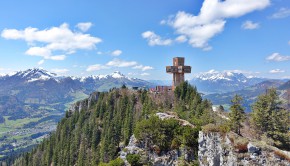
218,150
170,158
86,103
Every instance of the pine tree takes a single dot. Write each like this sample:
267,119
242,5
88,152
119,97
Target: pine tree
270,119
237,114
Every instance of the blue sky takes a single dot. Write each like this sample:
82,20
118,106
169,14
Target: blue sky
139,38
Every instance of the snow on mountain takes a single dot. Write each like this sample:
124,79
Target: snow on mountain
117,74
216,76
35,74
214,81
93,82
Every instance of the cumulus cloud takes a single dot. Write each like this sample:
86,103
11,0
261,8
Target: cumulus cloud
97,67
278,57
60,71
121,63
116,52
181,39
210,21
55,39
40,62
44,52
281,13
249,25
154,39
276,71
84,26
143,68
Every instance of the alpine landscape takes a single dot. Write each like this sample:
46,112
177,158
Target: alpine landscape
131,83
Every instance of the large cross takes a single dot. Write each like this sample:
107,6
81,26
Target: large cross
178,69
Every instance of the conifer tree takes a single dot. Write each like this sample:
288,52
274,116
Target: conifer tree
237,114
270,119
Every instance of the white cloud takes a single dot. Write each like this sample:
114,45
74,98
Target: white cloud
289,42
143,68
60,71
132,74
154,39
250,25
242,71
162,22
43,52
97,67
145,74
181,39
61,39
277,57
84,26
116,52
281,13
121,63
40,62
211,19
276,71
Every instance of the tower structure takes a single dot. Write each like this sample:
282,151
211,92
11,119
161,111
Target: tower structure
178,69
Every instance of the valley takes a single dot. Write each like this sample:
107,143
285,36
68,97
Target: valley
32,102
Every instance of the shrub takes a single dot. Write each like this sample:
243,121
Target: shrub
222,128
116,162
175,144
134,159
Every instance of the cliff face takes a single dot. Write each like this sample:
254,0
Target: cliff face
170,158
86,103
217,150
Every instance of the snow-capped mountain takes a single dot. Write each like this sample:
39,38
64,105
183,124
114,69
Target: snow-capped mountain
40,82
35,74
217,76
38,87
213,81
41,75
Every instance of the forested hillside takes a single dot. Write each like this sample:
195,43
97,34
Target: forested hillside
94,135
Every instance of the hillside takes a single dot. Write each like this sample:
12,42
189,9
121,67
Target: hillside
107,120
285,86
249,94
123,127
222,82
34,100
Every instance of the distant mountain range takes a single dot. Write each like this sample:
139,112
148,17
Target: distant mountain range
250,93
33,101
40,87
220,82
38,98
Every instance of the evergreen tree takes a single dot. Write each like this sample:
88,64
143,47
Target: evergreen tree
237,114
270,119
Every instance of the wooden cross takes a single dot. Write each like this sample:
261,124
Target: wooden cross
178,69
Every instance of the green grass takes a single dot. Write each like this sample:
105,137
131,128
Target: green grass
11,125
46,108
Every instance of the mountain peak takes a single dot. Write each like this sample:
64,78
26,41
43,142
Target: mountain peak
35,74
215,75
117,74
